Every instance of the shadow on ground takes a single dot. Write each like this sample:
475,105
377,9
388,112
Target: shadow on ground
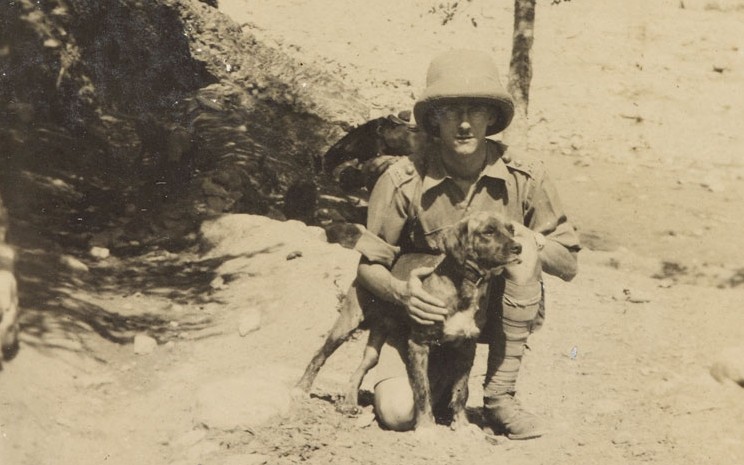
161,295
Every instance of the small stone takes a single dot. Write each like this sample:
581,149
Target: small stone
249,323
144,345
218,283
666,283
622,438
190,438
365,420
101,253
635,297
729,366
293,255
52,43
73,264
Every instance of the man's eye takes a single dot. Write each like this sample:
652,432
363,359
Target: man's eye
489,232
510,228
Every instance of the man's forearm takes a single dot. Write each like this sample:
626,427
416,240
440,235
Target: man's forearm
379,281
558,261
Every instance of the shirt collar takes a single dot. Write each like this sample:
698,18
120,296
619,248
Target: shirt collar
436,173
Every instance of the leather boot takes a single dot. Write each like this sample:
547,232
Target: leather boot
515,314
508,417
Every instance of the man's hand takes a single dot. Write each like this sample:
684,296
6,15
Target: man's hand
422,307
528,270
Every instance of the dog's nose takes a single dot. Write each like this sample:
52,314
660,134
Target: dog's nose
516,248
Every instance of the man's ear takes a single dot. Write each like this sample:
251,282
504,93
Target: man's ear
455,241
494,117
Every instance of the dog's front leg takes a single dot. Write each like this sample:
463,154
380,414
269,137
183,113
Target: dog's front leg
418,375
465,354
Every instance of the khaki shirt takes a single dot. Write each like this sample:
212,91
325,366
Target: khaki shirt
414,202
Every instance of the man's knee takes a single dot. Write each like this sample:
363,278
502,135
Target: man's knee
394,403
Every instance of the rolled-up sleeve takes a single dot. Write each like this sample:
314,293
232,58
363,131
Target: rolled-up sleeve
386,218
545,215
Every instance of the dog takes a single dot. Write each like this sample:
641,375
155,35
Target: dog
475,248
8,305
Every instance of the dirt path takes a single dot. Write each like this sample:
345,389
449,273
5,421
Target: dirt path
666,187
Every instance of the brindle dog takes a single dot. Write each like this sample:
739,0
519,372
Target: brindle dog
475,248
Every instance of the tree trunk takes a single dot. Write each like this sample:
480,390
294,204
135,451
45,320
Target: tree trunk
520,70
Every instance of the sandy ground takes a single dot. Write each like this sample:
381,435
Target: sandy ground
635,109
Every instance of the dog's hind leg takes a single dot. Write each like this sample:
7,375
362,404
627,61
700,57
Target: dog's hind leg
349,319
377,337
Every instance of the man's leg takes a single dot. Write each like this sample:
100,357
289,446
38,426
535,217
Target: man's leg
512,320
394,403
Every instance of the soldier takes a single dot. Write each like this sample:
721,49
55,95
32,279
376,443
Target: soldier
457,171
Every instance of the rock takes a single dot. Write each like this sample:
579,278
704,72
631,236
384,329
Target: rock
190,438
729,366
144,345
293,255
73,264
218,283
250,322
622,438
100,253
635,296
93,381
52,43
365,420
241,403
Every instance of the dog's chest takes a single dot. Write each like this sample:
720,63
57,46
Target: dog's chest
459,325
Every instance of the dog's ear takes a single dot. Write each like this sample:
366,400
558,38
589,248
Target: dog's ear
455,241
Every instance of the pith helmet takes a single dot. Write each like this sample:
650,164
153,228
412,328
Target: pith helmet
464,74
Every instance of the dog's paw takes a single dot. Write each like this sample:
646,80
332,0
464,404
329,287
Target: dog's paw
299,394
467,430
349,409
11,350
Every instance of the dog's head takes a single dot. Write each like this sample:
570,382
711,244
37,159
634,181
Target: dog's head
484,239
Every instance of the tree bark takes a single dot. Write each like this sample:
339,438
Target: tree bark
520,70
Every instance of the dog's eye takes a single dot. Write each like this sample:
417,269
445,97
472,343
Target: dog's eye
489,231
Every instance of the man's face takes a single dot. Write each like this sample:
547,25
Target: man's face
462,125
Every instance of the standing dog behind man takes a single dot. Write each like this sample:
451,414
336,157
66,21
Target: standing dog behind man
475,248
